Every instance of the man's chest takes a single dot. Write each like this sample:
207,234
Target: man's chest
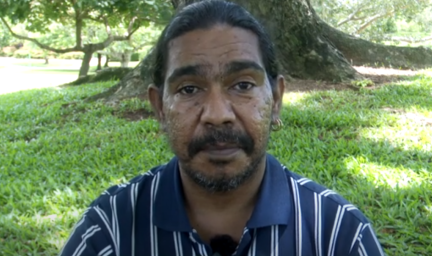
274,240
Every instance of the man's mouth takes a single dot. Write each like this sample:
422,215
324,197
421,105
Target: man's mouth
221,149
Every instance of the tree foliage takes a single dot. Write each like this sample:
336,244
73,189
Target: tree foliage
84,17
39,14
5,37
369,19
145,38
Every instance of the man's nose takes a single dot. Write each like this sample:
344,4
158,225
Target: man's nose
217,109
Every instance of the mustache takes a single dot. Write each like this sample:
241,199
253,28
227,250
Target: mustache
228,136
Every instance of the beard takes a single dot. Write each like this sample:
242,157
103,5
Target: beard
223,182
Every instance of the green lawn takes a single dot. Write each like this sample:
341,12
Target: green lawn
58,153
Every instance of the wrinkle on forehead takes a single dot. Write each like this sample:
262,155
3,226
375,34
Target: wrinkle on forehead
213,49
214,71
219,51
220,39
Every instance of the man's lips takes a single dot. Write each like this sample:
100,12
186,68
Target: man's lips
221,149
220,146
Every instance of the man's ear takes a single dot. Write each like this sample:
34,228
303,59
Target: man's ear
155,96
278,93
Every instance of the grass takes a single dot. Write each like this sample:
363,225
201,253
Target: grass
59,153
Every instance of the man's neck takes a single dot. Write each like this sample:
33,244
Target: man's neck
213,214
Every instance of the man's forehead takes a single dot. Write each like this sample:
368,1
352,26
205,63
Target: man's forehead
213,48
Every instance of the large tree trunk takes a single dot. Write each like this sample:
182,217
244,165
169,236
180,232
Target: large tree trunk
132,85
307,47
302,49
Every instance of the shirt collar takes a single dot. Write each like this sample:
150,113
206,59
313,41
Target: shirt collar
274,204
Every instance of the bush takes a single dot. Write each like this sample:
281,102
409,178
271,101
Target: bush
135,56
71,56
5,54
7,51
22,54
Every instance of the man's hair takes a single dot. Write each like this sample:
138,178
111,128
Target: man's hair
206,14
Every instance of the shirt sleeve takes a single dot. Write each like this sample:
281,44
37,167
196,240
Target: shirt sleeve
367,244
90,236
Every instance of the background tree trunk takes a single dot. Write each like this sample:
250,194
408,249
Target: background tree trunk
99,66
125,58
85,64
307,47
106,61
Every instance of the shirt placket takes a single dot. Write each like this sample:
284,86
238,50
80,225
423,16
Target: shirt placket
202,249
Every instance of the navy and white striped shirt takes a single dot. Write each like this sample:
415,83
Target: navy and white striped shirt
293,216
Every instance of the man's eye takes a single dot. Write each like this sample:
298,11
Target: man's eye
243,86
188,89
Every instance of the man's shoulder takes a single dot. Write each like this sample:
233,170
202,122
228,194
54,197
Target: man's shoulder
308,190
130,188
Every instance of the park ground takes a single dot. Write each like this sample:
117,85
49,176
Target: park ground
370,143
24,74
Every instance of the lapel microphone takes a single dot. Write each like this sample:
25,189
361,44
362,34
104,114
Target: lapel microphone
223,245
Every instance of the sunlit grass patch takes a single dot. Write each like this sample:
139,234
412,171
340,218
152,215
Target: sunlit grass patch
58,153
393,176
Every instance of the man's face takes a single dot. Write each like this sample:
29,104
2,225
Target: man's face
217,105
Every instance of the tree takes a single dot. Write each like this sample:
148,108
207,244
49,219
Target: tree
144,37
420,23
5,38
307,48
368,19
38,15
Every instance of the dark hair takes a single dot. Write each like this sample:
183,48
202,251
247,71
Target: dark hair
206,14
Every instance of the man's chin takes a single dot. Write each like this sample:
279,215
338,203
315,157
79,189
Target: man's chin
221,174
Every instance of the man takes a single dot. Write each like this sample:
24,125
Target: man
217,94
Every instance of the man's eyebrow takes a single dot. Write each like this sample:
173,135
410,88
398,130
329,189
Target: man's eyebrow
237,66
190,70
203,70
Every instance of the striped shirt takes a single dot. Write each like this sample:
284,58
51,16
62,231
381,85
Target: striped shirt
293,216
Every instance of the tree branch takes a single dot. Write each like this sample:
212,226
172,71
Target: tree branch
351,16
131,23
97,19
371,20
78,27
132,32
41,45
107,27
102,45
141,46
